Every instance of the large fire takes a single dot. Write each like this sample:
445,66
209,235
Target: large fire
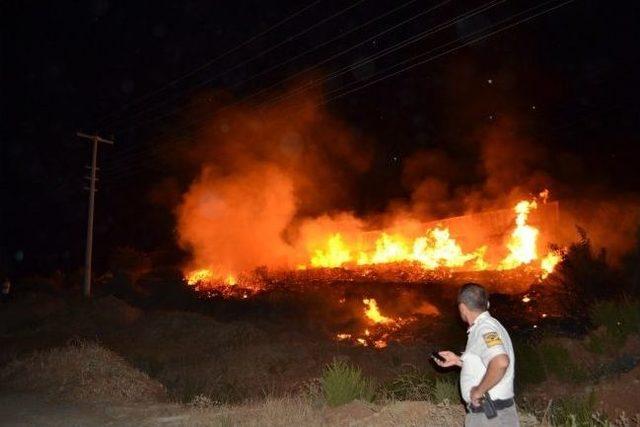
516,242
435,249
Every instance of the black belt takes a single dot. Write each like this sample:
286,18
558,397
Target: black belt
499,403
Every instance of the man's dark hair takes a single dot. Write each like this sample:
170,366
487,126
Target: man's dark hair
474,296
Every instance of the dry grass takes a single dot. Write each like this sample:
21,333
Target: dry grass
80,371
290,411
419,414
285,411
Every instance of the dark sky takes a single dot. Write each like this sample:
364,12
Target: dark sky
129,69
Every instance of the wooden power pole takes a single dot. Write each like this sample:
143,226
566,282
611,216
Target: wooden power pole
92,193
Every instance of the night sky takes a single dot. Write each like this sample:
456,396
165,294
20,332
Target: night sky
132,70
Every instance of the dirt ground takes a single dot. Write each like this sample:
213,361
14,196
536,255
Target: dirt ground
37,410
32,409
620,395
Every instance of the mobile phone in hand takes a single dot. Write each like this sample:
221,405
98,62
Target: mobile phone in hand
436,357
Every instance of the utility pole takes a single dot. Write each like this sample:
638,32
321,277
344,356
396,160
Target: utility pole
92,192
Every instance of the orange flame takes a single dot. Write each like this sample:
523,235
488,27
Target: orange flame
201,275
437,248
434,249
549,262
373,313
208,277
522,243
336,254
379,343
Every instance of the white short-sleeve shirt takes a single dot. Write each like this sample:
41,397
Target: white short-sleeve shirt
487,339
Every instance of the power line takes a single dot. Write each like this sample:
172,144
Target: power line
342,70
446,24
211,61
467,43
420,36
473,41
274,47
322,62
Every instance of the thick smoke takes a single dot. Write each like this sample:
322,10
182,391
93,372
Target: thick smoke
263,171
499,167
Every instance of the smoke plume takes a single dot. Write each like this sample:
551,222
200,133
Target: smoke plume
263,170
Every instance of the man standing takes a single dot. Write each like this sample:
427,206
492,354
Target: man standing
487,364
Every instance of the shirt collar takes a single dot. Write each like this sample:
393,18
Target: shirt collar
481,316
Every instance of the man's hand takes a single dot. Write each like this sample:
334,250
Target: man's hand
450,359
495,371
476,396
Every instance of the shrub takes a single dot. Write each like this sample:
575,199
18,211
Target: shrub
343,383
584,276
620,318
312,392
412,385
574,411
558,362
599,342
614,322
445,391
530,367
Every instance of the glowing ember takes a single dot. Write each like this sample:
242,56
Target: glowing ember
376,336
526,299
380,344
428,309
373,313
